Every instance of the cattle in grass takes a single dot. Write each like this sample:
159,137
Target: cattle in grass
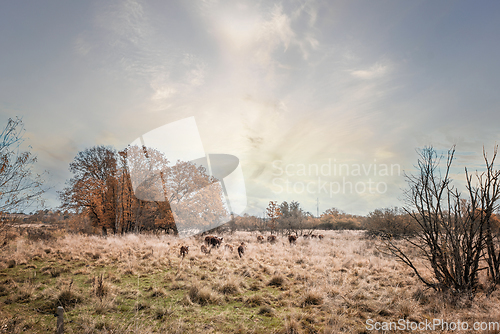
208,238
213,241
184,250
241,249
228,247
271,239
260,238
321,236
205,250
306,236
216,241
292,239
313,235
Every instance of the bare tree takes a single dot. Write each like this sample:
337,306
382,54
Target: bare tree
484,197
452,231
19,186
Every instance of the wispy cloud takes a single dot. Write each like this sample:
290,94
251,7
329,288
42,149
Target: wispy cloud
376,71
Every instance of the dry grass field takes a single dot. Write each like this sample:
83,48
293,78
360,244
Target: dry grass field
141,284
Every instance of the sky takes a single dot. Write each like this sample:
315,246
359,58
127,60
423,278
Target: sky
323,102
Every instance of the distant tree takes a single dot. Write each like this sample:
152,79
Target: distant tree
273,212
394,221
334,219
20,188
292,217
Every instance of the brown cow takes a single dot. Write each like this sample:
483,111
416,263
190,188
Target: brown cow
271,239
228,246
313,235
184,250
306,236
241,249
260,238
213,241
321,236
205,249
292,239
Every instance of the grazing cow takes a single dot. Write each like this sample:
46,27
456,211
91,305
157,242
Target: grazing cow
213,241
271,239
228,246
260,238
241,249
216,241
313,235
205,249
292,239
184,250
321,236
208,238
306,236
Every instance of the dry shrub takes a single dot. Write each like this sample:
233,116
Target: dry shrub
23,295
420,297
229,287
161,312
67,299
39,234
101,288
312,298
55,272
277,280
140,306
255,286
255,300
266,310
176,286
158,292
3,291
202,295
292,326
129,272
9,236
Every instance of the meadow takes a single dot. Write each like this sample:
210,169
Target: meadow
141,284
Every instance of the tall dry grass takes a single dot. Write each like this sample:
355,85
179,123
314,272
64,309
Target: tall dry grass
324,286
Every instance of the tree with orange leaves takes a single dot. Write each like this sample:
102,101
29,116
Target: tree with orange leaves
273,212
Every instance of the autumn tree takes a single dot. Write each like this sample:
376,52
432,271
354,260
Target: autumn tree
273,212
93,187
137,189
20,187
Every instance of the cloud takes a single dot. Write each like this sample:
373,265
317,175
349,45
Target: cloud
376,71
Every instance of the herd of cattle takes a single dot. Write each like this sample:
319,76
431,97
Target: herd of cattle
212,241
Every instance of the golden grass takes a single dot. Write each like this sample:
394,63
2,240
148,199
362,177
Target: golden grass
140,284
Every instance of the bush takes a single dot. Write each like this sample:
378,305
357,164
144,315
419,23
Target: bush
201,295
39,234
312,298
277,280
390,221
